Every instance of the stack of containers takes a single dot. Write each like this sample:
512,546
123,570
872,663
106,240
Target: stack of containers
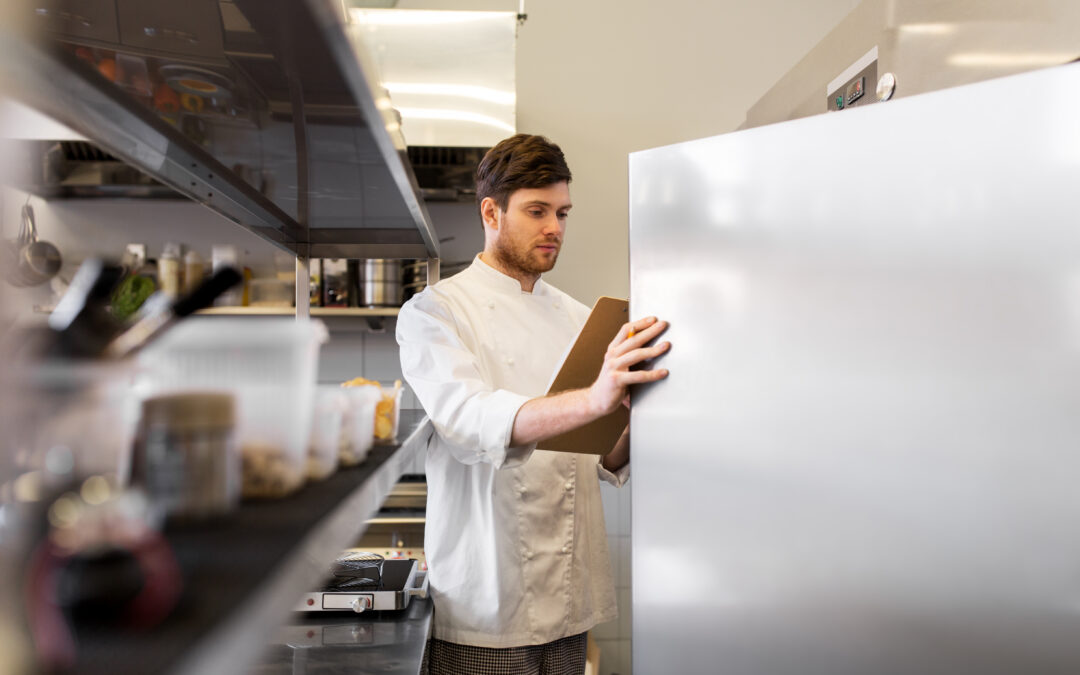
326,430
269,365
358,434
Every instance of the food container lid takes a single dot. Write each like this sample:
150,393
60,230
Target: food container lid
190,411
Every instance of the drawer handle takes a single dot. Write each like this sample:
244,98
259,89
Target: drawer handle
46,13
170,33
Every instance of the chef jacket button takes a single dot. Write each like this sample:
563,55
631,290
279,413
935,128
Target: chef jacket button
521,489
565,549
556,305
491,304
528,555
569,485
509,360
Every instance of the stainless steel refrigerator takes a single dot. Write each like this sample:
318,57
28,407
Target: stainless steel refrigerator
866,458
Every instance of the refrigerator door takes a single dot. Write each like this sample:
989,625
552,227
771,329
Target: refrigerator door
867,455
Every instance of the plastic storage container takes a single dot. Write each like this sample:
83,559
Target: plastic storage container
358,433
269,364
387,414
83,409
325,431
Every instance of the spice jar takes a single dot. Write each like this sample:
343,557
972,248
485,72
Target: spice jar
185,454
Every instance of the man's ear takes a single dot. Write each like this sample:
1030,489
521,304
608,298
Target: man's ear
489,212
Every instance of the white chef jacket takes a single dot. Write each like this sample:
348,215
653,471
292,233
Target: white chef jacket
515,540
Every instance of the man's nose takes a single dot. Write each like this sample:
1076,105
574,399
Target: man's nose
552,226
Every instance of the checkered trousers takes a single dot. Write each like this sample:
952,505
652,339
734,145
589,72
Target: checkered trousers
565,656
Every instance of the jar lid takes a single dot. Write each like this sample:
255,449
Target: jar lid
190,410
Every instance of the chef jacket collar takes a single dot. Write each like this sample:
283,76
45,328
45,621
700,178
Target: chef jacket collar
503,283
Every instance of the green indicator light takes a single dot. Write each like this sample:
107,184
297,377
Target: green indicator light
839,102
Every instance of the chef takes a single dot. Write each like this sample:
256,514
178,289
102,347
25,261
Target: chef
515,540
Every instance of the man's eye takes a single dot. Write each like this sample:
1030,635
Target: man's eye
536,213
563,216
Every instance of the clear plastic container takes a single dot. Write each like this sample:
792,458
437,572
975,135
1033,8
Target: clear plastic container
83,408
326,426
387,414
269,364
358,433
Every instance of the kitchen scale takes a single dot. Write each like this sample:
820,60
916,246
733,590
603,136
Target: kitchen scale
362,581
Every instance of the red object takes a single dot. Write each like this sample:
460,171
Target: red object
166,99
107,67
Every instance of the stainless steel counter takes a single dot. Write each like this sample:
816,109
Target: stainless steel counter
388,643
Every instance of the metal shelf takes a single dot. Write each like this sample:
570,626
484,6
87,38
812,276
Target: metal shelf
291,311
318,168
244,573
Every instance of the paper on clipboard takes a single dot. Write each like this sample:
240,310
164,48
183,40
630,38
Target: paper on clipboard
579,369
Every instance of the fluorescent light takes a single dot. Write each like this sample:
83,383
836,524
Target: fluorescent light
453,116
1007,60
928,28
488,94
412,17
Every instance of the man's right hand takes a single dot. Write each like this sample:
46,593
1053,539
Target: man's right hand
627,350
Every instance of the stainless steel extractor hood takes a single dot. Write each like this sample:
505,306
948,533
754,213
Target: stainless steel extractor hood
266,111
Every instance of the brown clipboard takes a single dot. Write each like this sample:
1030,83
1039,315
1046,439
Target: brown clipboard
580,369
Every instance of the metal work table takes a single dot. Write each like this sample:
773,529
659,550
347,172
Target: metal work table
388,643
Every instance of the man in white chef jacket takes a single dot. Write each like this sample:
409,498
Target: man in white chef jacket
515,540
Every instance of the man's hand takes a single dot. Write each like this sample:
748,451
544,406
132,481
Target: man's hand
548,416
627,350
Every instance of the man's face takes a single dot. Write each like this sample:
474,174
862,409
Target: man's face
531,230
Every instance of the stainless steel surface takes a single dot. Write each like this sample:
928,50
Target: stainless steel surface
287,118
381,283
390,643
928,45
301,287
864,458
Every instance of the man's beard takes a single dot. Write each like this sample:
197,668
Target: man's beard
521,261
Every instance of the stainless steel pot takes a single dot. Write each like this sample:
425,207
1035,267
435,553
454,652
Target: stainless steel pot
31,261
381,283
414,277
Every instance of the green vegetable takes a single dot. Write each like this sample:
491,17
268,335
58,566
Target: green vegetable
130,295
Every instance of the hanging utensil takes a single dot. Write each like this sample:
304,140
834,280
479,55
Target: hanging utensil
36,262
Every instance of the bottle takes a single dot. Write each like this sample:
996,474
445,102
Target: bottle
170,274
193,270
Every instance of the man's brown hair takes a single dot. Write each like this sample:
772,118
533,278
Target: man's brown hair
521,161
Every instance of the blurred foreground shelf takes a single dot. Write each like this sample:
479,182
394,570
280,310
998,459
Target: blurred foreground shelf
243,574
291,311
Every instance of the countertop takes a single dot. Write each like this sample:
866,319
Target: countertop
388,643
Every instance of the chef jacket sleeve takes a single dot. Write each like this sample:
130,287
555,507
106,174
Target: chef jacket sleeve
475,419
617,478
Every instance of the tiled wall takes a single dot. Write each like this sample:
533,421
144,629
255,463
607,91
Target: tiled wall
613,637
